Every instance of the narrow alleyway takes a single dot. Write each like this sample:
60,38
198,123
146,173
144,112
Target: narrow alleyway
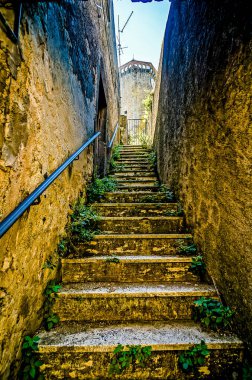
132,286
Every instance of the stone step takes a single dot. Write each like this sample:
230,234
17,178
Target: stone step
84,352
127,155
134,197
138,187
139,182
132,160
133,244
94,302
131,174
134,209
138,225
125,177
135,167
127,269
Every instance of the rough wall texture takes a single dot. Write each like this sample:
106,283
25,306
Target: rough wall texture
48,105
137,82
204,138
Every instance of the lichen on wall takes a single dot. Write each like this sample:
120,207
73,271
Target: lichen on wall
49,85
204,138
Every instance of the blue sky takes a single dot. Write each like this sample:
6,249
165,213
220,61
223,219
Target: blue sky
145,31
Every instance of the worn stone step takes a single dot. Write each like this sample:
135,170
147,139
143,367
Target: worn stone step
138,187
138,225
139,182
127,155
131,178
132,160
127,269
134,209
133,244
131,174
84,352
134,197
93,302
136,167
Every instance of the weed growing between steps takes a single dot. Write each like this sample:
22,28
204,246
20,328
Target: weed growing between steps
82,227
198,267
50,319
30,363
97,189
168,193
152,159
178,212
132,356
49,264
115,155
212,314
190,360
186,248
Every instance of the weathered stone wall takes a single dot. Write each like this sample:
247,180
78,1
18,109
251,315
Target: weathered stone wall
204,138
49,97
136,84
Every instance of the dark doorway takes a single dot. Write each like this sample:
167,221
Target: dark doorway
101,126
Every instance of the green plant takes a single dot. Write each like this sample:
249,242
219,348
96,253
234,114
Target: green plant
131,356
246,371
212,314
113,260
116,152
190,360
50,319
48,264
145,141
152,158
168,193
99,187
63,247
83,224
186,248
30,363
198,267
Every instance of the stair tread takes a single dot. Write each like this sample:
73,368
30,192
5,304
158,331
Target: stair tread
138,205
151,218
143,236
131,258
102,337
137,289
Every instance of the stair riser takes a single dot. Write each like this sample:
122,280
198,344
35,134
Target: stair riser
157,226
137,188
126,246
134,179
133,174
103,271
141,183
137,197
136,167
76,364
136,210
131,308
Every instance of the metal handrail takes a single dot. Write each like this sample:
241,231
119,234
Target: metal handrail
113,136
6,224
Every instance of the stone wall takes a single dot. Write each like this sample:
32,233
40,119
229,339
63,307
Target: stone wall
204,138
49,85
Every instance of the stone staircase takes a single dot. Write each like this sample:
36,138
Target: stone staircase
143,297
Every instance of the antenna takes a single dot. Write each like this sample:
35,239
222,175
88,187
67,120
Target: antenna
120,48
